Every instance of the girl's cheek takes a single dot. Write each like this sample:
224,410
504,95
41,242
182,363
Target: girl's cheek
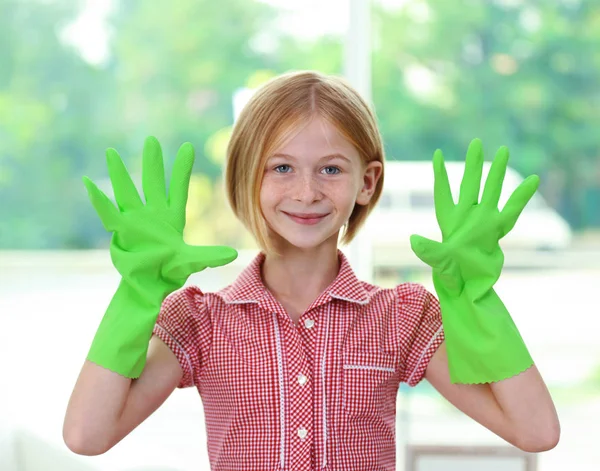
273,188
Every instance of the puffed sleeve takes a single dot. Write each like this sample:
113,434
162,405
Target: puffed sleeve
185,326
421,331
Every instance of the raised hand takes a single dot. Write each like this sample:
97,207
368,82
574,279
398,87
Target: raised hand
483,343
148,250
150,236
471,229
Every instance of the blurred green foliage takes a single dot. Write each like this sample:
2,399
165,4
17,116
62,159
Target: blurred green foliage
519,73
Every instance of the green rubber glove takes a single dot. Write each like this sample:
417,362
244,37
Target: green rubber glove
148,250
482,341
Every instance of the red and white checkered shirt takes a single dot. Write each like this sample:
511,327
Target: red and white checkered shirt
320,396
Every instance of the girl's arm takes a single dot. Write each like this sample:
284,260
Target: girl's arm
518,409
105,406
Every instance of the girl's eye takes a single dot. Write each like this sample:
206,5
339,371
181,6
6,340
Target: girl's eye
282,166
335,172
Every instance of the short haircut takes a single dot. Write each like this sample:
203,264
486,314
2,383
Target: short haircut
272,117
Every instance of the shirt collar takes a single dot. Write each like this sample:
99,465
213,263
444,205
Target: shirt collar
249,287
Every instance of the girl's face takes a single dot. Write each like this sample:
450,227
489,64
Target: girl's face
310,186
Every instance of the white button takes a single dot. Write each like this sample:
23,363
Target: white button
302,379
308,323
302,432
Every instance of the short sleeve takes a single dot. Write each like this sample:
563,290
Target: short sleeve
184,325
421,330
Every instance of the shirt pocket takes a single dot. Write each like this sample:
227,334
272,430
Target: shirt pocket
367,382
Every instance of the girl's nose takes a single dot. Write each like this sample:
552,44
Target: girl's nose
306,189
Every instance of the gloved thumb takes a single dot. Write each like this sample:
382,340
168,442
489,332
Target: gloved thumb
429,251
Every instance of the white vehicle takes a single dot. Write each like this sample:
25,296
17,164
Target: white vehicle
407,207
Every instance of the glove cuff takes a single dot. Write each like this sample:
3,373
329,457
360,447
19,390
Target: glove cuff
483,343
121,341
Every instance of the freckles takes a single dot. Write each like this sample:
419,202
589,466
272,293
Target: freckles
270,192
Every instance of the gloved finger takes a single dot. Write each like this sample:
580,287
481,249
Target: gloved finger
495,179
126,194
193,259
109,214
471,182
444,203
153,174
429,251
180,178
517,202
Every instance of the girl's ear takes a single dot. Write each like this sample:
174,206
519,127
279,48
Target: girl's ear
371,175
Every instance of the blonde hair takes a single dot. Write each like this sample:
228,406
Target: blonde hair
272,117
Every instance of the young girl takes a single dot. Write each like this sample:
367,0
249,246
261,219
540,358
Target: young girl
298,362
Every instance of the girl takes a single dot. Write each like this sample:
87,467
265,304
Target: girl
298,362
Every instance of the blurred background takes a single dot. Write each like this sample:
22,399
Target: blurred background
77,77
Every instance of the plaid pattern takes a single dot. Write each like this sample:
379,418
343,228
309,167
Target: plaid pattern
318,396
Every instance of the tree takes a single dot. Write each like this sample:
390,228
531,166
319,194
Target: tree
511,73
46,113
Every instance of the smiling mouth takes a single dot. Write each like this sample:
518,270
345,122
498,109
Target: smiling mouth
307,215
306,218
